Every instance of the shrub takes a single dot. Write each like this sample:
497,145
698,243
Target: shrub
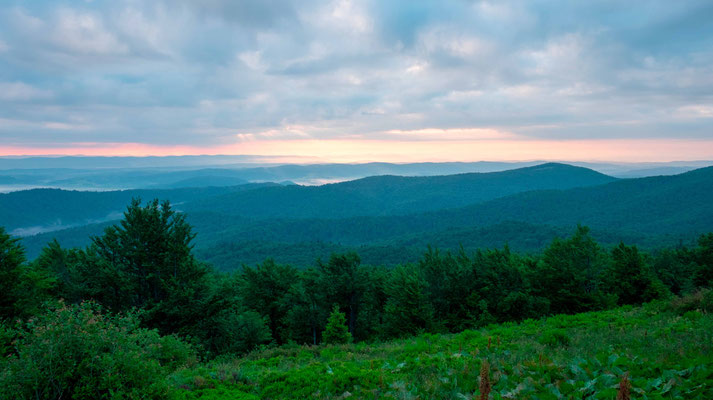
77,352
336,331
555,337
7,335
237,332
700,300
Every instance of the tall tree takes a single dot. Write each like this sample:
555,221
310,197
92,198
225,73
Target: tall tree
371,302
447,286
500,281
408,309
307,313
265,289
703,255
12,257
62,264
630,278
149,265
569,272
676,269
342,284
24,288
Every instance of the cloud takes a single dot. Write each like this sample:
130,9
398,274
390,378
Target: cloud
696,111
219,73
16,124
470,134
18,91
84,33
253,13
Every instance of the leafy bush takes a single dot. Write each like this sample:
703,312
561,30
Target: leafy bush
7,335
237,333
554,338
77,352
699,300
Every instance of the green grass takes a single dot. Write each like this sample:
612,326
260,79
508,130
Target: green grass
667,354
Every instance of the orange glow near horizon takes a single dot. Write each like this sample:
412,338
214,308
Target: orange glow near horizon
350,150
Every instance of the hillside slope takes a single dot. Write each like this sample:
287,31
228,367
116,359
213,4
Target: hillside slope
47,209
649,212
38,210
651,206
665,354
396,195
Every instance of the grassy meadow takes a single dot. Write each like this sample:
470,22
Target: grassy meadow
665,349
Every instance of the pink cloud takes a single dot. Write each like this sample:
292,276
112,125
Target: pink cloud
350,150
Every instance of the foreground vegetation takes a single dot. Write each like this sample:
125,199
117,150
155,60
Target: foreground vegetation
664,349
130,316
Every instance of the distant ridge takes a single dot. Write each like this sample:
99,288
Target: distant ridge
646,211
396,195
671,206
39,210
676,204
114,173
382,195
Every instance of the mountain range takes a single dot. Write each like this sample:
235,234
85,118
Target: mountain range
383,217
114,173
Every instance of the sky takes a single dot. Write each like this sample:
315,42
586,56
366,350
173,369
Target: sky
351,81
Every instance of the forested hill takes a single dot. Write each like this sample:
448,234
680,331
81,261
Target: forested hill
647,211
43,209
641,211
396,195
662,204
645,206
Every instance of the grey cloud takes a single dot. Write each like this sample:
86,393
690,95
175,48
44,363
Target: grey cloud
252,13
198,72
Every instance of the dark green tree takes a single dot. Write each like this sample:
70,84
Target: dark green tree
448,286
35,287
60,263
146,262
307,314
629,277
336,330
371,302
676,269
265,289
408,309
235,332
342,285
703,256
568,275
499,280
12,256
96,278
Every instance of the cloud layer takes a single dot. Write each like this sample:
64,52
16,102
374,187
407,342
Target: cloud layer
252,75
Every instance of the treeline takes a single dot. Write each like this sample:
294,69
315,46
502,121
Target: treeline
141,276
146,263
